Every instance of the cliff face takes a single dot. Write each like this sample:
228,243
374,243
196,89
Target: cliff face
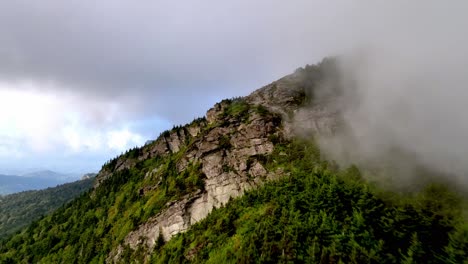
229,146
230,150
305,99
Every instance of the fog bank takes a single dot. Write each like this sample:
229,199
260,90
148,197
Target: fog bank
404,91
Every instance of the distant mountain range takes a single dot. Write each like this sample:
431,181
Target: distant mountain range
20,209
33,181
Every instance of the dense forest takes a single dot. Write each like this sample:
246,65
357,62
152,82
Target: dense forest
318,215
315,215
20,209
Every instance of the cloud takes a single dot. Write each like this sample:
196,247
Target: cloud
27,117
81,76
154,55
404,90
86,77
123,139
36,125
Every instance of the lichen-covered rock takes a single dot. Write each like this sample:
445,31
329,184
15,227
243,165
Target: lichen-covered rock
214,114
228,156
230,146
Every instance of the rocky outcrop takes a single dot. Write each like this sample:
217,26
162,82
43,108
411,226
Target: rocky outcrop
175,219
167,143
305,99
230,157
88,176
231,145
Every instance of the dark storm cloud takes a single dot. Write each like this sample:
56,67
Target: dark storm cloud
159,53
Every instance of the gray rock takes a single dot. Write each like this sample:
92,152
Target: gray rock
228,151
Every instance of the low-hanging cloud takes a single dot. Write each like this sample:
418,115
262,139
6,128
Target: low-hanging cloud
404,91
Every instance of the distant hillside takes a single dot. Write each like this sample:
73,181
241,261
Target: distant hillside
33,181
48,174
13,184
20,209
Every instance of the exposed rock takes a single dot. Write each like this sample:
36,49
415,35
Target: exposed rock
153,172
103,175
257,170
212,164
315,120
282,96
166,144
171,221
214,113
227,155
176,139
295,98
88,176
123,164
194,130
231,151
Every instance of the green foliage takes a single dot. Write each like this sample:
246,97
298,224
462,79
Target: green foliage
261,110
225,142
159,241
110,164
237,108
20,209
88,228
321,216
198,121
313,214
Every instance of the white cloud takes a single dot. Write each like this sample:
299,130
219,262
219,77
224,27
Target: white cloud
39,124
79,139
29,117
123,139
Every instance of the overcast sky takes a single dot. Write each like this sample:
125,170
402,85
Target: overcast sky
81,81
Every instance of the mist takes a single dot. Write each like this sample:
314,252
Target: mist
403,82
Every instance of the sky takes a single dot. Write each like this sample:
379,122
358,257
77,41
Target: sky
82,81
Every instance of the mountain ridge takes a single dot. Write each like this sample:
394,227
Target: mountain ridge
34,180
22,208
181,197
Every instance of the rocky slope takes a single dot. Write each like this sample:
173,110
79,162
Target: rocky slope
230,145
154,192
230,151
